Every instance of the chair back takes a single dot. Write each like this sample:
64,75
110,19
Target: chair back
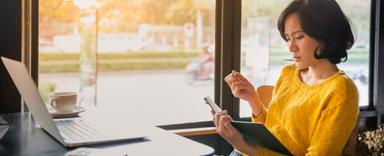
265,94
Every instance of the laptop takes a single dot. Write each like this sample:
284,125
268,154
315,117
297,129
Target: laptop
71,132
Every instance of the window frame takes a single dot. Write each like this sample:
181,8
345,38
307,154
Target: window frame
228,32
20,38
377,59
229,50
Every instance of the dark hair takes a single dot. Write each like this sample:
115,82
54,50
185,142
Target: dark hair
324,21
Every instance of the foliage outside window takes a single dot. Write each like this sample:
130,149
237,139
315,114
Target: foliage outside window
147,52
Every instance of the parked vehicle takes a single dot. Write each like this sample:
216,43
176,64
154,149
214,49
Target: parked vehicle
197,71
202,68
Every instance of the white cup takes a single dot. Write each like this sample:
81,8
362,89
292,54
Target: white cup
64,101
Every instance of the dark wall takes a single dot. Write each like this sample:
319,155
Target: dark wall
10,46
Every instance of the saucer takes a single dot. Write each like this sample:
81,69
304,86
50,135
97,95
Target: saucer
74,113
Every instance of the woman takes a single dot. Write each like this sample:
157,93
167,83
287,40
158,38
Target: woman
314,105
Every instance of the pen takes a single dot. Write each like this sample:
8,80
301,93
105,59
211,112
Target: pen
233,72
288,59
223,112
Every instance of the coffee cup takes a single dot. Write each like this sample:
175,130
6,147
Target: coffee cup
64,101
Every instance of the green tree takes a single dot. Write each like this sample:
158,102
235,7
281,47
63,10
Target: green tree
126,15
55,11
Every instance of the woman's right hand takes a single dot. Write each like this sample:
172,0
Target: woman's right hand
243,89
240,86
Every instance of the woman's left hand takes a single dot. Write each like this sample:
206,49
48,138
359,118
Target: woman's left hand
224,127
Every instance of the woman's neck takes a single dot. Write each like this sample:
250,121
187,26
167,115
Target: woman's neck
319,72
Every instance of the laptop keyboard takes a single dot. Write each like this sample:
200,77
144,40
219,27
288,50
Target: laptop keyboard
77,130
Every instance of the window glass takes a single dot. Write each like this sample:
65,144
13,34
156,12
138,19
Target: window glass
264,52
150,59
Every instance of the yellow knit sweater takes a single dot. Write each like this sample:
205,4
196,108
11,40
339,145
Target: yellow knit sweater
311,119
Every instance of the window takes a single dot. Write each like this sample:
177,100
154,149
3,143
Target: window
264,53
255,14
154,60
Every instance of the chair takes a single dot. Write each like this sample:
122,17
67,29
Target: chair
265,95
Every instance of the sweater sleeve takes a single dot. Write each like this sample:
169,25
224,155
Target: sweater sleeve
261,117
335,124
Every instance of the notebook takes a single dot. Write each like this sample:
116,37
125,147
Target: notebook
258,135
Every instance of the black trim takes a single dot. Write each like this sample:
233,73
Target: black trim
228,32
35,40
378,84
371,56
10,39
230,52
188,125
218,36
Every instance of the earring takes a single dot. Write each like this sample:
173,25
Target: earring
318,51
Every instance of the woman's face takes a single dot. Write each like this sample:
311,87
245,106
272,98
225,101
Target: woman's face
301,46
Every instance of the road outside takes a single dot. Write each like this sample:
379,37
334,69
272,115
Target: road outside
157,97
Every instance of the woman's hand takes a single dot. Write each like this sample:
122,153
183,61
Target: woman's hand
243,89
224,127
240,86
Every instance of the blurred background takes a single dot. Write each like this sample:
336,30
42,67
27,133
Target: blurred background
135,56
